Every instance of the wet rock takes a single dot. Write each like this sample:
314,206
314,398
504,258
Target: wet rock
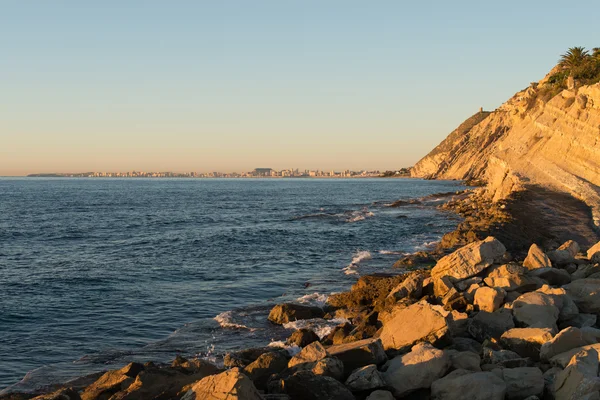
461,384
426,324
357,354
112,382
313,352
469,260
288,312
365,378
586,294
370,290
579,378
487,325
536,258
339,334
526,341
267,364
416,370
228,385
553,276
305,385
303,337
244,357
565,340
489,299
536,310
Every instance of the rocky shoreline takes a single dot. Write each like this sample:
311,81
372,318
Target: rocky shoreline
478,318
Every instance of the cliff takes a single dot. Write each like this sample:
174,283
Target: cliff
536,139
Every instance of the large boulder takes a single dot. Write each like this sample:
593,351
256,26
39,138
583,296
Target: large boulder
593,254
313,352
489,299
469,260
536,258
461,384
416,323
526,341
328,366
265,366
112,382
487,325
305,385
510,277
61,394
360,353
579,378
381,395
567,339
417,369
288,312
365,378
566,305
586,294
565,254
228,385
303,337
554,276
522,382
536,310
563,359
412,286
465,360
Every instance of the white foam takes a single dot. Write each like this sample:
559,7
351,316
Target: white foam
359,256
225,319
393,252
316,299
322,327
292,349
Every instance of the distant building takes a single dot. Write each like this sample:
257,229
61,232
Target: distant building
262,172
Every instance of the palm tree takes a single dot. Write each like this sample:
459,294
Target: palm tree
596,52
574,57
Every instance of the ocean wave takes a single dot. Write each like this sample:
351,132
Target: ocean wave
292,349
225,319
359,256
346,216
393,252
313,299
322,327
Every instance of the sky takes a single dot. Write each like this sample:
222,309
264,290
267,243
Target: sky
234,85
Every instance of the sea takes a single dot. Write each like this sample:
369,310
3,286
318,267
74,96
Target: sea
96,273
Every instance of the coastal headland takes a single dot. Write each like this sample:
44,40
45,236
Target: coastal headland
505,308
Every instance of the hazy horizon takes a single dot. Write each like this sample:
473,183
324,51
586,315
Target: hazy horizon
230,87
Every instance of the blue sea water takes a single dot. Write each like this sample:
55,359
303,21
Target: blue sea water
95,273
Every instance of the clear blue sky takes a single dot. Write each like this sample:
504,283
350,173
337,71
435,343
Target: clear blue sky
232,85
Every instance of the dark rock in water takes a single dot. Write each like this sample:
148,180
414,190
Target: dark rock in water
265,366
420,258
305,385
338,334
245,357
112,382
62,394
369,290
229,385
401,203
287,312
195,365
303,337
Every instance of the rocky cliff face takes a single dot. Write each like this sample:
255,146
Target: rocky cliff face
551,143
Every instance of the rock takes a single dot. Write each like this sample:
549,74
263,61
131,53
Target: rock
487,325
465,360
566,305
339,334
329,366
593,254
469,260
464,285
228,385
381,395
305,385
466,344
580,321
360,353
565,254
489,299
536,310
563,359
580,377
267,364
470,292
426,324
498,357
457,323
441,286
61,394
410,287
586,294
510,277
416,370
590,335
454,300
313,352
523,382
288,312
193,366
303,337
461,384
586,271
565,340
526,341
536,258
112,382
553,276
365,378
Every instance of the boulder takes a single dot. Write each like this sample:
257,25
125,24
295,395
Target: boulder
536,258
523,382
593,254
469,260
536,310
526,341
381,395
464,285
441,286
579,378
461,384
412,286
553,276
313,352
566,305
586,294
565,254
303,337
565,340
266,365
498,357
466,344
510,277
489,299
329,366
579,321
590,335
228,385
457,323
365,378
465,360
562,359
288,312
244,357
416,370
360,353
487,325
305,385
112,382
61,394
586,271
